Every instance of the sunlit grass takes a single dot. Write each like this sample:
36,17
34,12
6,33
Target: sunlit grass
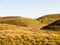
25,31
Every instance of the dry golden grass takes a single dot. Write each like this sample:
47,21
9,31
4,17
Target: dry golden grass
8,26
50,22
47,19
10,37
27,36
26,31
19,21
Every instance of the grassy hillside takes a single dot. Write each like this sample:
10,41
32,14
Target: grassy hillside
19,21
47,19
15,37
53,26
25,31
8,26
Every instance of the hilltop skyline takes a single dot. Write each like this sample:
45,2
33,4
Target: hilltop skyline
29,8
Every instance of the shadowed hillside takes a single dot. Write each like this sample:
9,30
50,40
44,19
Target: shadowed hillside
53,26
48,19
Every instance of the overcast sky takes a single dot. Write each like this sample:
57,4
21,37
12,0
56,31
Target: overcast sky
29,8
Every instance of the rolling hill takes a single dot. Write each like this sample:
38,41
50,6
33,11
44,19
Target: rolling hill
12,35
26,31
19,21
53,26
47,19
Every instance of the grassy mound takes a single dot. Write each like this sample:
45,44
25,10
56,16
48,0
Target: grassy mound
47,19
19,21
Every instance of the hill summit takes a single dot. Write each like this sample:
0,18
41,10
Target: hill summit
19,21
48,18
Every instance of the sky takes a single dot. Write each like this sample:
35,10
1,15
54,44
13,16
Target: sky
29,8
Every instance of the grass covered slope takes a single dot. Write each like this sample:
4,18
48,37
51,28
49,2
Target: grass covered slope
10,37
19,21
53,26
47,19
8,26
24,31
